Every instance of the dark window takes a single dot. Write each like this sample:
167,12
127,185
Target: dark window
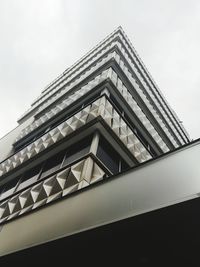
108,156
8,188
1,189
19,147
52,164
29,177
124,166
41,133
78,150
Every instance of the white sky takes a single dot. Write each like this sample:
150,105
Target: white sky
39,39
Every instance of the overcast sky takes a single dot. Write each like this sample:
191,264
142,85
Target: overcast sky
39,39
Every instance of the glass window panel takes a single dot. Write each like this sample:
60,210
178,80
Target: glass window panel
1,189
77,150
8,188
108,156
72,155
52,164
124,165
30,177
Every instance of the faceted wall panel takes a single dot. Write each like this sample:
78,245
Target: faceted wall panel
63,183
151,103
126,95
100,107
88,63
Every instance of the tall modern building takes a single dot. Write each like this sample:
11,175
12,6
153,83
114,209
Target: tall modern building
99,146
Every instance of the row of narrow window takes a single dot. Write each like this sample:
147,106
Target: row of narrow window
46,168
105,153
24,142
120,110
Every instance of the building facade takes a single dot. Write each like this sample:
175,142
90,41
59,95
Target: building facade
100,117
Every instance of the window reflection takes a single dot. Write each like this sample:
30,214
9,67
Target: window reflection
8,188
77,150
109,156
29,177
52,164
